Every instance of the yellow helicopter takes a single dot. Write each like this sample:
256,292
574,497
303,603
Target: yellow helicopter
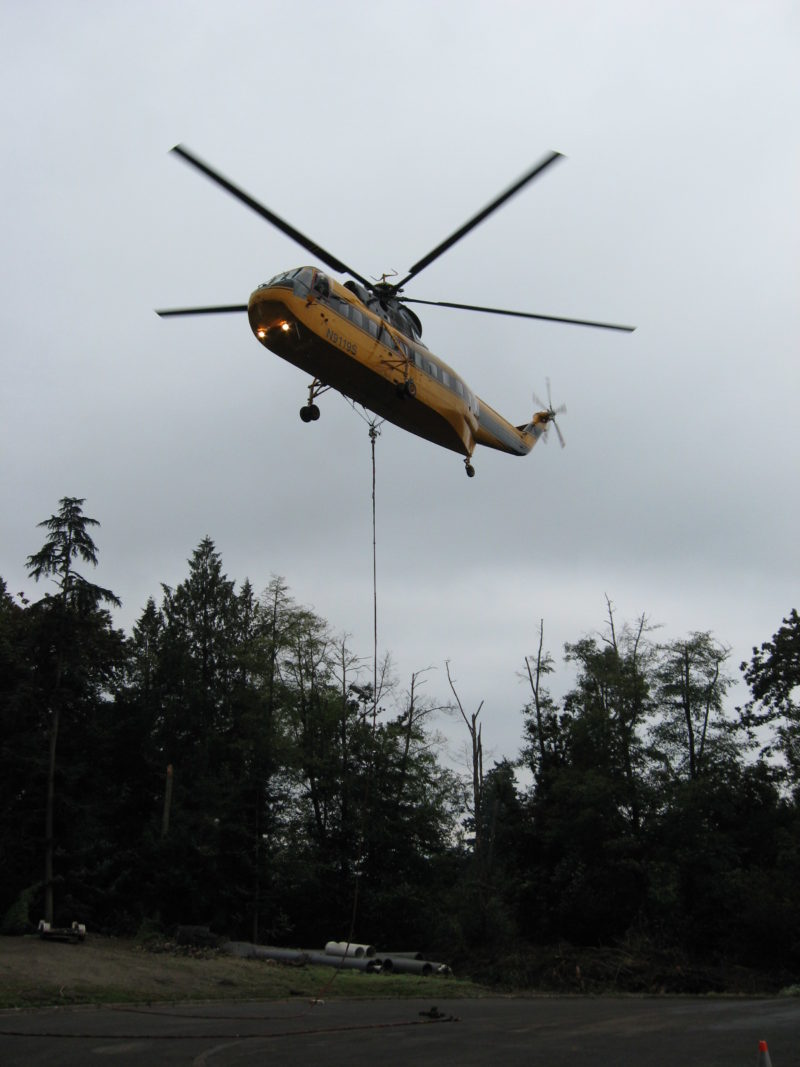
361,339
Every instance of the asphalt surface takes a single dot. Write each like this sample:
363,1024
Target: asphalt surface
557,1031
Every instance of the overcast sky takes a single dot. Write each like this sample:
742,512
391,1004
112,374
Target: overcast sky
377,129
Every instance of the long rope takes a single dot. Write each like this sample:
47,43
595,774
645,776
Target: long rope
373,435
374,432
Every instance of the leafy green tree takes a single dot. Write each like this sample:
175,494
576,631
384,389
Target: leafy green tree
692,733
773,675
590,799
409,808
609,707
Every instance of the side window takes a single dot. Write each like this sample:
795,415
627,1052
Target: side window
355,315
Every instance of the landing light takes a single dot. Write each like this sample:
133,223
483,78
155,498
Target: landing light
285,327
261,333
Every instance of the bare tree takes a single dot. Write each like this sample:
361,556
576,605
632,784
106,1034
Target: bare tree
474,729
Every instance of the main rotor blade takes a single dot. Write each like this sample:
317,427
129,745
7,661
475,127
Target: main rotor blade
473,222
220,309
305,242
519,314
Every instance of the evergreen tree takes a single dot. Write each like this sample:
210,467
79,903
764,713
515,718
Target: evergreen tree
76,649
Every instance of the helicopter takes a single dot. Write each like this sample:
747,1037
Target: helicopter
360,338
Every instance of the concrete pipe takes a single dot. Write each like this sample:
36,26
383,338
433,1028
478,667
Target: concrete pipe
345,963
404,965
245,950
345,948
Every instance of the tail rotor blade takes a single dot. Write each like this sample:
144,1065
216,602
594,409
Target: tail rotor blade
551,413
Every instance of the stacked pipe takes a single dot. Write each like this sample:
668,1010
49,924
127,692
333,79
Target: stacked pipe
344,956
347,948
409,964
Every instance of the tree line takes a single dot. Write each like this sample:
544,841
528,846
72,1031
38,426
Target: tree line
233,762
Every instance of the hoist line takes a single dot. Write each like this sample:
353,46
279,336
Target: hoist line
373,435
374,432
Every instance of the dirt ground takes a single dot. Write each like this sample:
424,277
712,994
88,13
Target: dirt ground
33,972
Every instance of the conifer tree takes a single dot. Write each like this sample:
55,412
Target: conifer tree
68,618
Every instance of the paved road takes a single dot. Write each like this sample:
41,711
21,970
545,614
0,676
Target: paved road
512,1032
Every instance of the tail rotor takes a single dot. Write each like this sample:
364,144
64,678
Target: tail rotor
549,414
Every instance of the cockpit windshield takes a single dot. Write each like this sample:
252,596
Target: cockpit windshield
298,280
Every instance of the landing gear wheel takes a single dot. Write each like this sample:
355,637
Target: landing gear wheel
310,413
406,388
469,469
411,388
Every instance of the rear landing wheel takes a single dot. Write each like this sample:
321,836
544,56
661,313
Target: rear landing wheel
309,413
469,469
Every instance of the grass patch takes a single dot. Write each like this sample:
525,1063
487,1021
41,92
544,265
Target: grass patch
35,974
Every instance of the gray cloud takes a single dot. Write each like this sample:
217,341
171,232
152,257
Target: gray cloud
675,209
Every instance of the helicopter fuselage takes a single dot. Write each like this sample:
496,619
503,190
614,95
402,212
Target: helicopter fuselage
355,345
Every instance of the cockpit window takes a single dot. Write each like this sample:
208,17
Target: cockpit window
321,285
284,279
302,281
